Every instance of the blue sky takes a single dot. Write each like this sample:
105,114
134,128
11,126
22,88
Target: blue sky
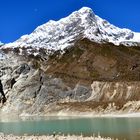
19,17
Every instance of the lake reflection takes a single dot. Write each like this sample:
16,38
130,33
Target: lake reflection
122,128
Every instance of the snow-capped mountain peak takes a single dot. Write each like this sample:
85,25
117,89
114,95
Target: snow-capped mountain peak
57,35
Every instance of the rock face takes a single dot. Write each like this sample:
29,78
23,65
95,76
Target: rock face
34,90
83,72
87,77
115,91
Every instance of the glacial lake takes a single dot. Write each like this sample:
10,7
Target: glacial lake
122,128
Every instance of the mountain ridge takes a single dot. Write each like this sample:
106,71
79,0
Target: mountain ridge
72,66
58,35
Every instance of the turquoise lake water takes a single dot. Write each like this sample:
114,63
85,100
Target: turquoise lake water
122,128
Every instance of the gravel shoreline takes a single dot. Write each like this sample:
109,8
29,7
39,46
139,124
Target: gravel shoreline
57,137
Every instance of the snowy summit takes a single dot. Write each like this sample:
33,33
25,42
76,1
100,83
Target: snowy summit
57,35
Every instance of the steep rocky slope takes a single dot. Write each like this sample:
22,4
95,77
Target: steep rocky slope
87,65
87,77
